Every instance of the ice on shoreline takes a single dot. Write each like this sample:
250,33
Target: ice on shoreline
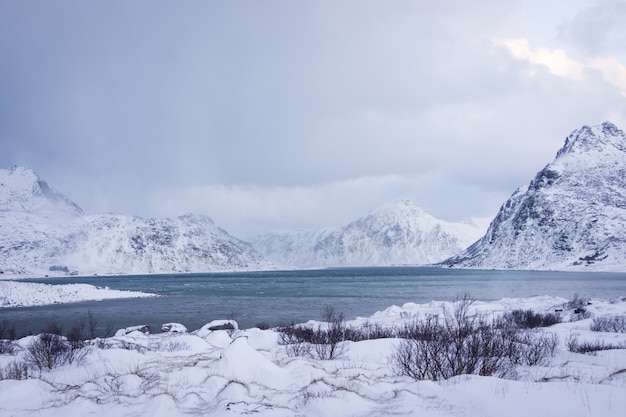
30,294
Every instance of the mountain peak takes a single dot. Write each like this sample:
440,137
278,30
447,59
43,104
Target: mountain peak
21,189
397,233
400,207
397,212
572,215
594,139
401,204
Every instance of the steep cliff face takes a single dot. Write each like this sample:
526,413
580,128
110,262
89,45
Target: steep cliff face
397,233
41,228
572,215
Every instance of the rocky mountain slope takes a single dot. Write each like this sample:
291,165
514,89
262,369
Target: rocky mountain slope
572,215
41,228
397,233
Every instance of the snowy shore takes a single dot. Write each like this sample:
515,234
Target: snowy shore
240,372
27,294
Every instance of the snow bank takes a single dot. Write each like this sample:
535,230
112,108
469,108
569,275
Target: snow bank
409,311
240,372
27,294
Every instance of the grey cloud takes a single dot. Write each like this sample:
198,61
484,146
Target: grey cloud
597,29
120,104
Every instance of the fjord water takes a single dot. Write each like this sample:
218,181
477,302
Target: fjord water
279,297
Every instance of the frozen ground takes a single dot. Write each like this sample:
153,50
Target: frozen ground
23,294
248,372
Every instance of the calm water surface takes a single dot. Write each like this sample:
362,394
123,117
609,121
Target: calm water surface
278,297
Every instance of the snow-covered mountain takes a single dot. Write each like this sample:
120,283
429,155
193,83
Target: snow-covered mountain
41,228
572,215
22,191
397,233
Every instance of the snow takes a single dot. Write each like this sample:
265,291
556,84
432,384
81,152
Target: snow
174,328
141,328
217,324
27,294
240,372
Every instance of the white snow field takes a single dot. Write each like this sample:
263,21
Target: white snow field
248,372
27,294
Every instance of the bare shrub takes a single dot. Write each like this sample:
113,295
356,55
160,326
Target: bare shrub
457,343
536,349
574,345
75,337
7,347
369,331
423,352
615,324
528,319
324,340
49,350
15,370
577,303
53,328
580,315
263,325
327,339
296,339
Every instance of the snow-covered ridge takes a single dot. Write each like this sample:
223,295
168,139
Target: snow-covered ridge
571,216
394,234
41,228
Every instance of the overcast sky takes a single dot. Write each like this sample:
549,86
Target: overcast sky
272,115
